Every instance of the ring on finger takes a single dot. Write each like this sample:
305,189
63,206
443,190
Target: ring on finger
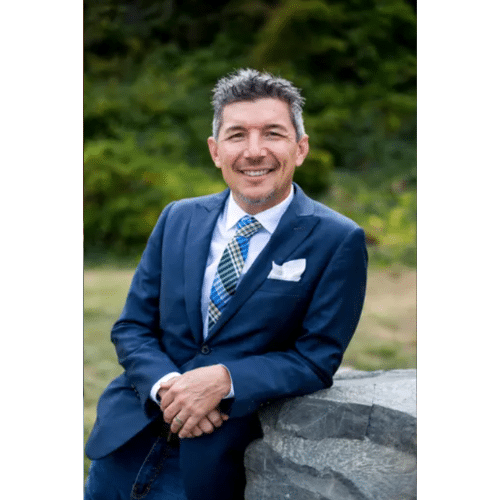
179,421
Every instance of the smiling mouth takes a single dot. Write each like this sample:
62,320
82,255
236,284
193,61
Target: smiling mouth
256,173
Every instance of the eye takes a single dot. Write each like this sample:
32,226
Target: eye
235,137
273,134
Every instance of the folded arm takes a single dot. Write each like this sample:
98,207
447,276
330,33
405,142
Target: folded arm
149,368
136,334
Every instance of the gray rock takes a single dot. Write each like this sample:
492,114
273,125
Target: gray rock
355,440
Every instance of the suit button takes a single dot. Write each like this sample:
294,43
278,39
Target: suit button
205,349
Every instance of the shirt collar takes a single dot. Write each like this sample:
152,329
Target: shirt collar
268,218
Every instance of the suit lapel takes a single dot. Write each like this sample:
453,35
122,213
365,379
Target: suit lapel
198,242
294,227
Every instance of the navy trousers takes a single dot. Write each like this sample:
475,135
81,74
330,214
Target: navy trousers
149,468
145,468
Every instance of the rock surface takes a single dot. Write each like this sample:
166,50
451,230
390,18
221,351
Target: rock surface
353,441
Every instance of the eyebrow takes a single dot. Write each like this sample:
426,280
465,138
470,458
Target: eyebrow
275,125
234,128
238,128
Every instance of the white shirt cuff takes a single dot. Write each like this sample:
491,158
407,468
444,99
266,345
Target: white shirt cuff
154,391
231,392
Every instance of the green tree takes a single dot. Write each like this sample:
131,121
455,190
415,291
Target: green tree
150,67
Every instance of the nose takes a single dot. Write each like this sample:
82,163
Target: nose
254,149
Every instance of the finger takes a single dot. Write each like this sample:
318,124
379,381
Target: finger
206,426
189,424
197,431
215,418
174,408
165,394
170,412
177,422
167,399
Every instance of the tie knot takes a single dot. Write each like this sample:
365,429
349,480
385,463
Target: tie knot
247,226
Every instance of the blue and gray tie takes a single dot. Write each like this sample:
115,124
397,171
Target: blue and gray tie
229,268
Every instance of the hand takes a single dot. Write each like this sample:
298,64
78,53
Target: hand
207,424
189,400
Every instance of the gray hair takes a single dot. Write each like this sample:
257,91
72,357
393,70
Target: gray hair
249,85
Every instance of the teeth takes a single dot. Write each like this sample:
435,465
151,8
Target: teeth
256,173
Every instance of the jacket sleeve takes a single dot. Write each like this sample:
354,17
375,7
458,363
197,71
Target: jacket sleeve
327,328
136,333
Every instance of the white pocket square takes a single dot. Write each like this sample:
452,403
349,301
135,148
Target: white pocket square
289,271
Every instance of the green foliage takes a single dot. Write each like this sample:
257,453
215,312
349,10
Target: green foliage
149,70
313,177
356,63
386,209
126,189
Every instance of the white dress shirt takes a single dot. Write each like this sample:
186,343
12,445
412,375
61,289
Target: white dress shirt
224,230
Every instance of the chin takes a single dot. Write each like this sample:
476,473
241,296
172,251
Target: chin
257,200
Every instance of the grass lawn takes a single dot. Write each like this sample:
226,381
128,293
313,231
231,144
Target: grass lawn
385,338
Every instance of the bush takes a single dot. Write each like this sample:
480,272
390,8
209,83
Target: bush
385,209
125,190
149,70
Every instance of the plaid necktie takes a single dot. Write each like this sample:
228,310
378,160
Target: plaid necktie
229,268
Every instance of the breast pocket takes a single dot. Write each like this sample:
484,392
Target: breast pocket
282,287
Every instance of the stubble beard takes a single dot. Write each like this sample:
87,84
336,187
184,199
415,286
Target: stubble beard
256,202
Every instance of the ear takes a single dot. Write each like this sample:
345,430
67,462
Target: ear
213,147
302,150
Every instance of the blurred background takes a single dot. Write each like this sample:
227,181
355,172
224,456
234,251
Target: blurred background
149,67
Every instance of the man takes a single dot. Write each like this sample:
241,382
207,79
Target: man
240,298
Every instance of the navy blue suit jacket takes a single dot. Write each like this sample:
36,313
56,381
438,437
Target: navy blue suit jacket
277,338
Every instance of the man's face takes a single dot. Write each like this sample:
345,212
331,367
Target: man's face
257,152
